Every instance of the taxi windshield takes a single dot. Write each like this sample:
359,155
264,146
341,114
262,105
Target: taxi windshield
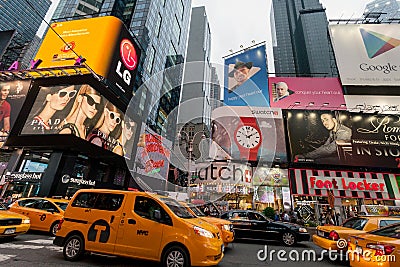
197,211
177,208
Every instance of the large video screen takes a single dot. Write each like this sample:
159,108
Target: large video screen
343,138
82,111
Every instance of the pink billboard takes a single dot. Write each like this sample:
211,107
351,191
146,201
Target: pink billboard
306,93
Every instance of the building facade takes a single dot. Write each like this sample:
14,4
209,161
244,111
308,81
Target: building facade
18,15
383,11
301,44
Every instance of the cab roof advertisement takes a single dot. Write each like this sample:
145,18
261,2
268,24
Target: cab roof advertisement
367,54
113,55
246,79
343,138
306,93
248,133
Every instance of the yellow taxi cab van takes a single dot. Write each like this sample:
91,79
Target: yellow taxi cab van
45,213
225,226
12,224
379,248
137,225
327,236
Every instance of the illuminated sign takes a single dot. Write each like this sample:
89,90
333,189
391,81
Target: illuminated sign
340,183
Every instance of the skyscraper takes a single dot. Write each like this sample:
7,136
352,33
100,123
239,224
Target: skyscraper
301,45
382,10
18,15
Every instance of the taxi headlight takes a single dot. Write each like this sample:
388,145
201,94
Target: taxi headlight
202,232
302,230
226,227
26,221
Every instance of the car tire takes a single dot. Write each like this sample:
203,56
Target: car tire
54,228
73,248
175,256
289,239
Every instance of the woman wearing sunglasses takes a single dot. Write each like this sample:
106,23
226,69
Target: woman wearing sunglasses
85,107
108,128
125,142
50,110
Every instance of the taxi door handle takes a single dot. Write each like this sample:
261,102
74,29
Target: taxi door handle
112,219
131,221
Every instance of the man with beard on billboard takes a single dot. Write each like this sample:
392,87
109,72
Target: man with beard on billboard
327,153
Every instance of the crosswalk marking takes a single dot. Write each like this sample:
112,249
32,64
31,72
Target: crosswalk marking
41,241
6,257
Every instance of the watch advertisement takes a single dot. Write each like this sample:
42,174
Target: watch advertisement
13,94
82,111
248,134
344,138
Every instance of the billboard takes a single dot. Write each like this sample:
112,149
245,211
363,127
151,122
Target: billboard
153,154
13,94
343,138
82,111
114,55
373,104
371,57
246,79
304,93
248,133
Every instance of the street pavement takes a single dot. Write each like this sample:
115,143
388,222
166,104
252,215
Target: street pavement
37,249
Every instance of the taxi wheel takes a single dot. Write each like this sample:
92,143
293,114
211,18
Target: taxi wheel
288,239
54,228
73,248
175,256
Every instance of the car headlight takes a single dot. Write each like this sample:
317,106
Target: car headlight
26,221
302,230
202,232
226,227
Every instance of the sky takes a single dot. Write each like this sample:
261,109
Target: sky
236,22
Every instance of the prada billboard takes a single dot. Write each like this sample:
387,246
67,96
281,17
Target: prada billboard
343,138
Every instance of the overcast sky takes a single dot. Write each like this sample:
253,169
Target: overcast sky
237,22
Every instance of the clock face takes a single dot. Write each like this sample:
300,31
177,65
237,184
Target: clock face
248,137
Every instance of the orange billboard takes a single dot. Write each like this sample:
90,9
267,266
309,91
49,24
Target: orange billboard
104,42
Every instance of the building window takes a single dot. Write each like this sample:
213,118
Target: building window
151,57
177,30
159,23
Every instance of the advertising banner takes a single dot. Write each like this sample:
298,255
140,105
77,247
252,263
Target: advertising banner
371,57
246,79
13,95
264,176
153,154
306,93
343,138
224,173
373,104
379,210
82,111
114,55
343,184
248,133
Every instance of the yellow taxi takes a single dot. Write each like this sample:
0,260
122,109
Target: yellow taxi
379,248
12,224
137,225
45,213
327,236
225,226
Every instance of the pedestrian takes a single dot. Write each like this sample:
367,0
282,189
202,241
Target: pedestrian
286,217
8,201
277,217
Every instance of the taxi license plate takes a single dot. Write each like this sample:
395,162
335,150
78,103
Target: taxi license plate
359,250
9,231
222,248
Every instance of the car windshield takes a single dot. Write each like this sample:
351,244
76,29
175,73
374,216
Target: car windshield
177,208
197,211
2,207
355,223
392,231
62,205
